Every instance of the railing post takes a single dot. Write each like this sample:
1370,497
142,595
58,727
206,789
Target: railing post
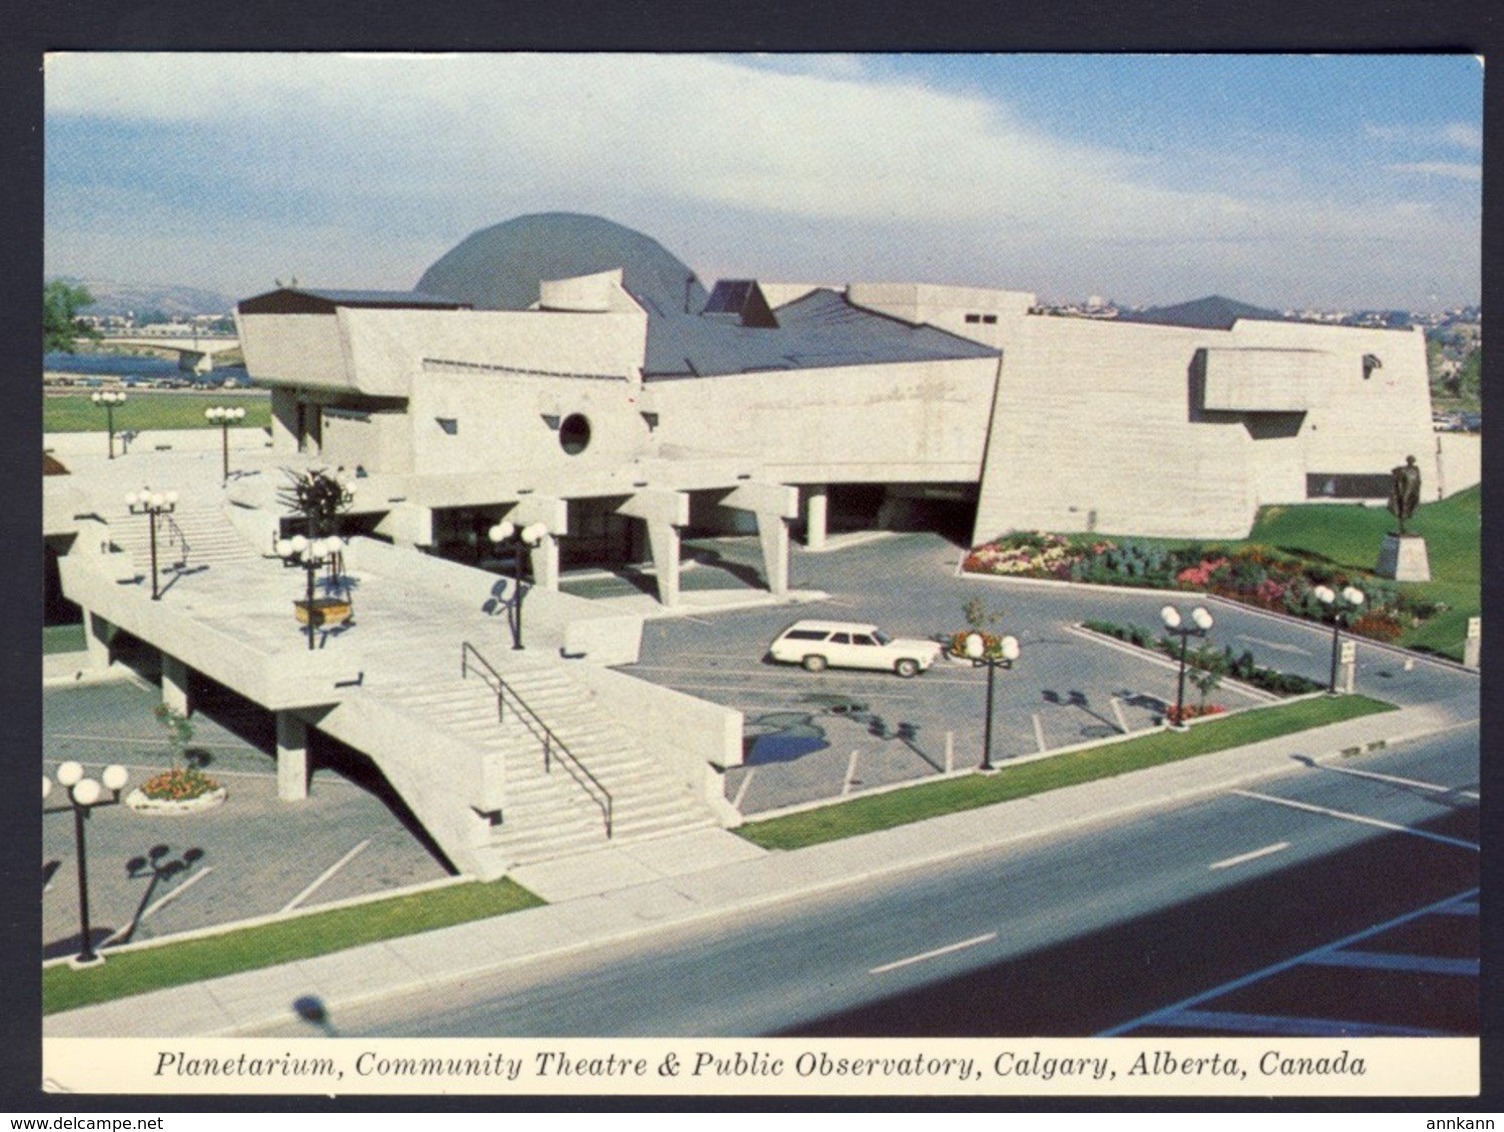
547,752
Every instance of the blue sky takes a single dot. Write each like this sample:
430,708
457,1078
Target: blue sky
1280,180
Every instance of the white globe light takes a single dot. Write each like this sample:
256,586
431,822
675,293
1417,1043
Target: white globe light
97,398
171,497
501,532
46,786
239,413
156,499
283,547
130,499
534,532
1353,595
1010,648
1170,616
975,646
211,414
86,793
69,773
299,544
1324,595
335,544
1202,618
115,777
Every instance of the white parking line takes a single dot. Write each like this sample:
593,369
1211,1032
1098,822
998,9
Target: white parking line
1359,818
1254,856
1397,780
167,899
741,791
1277,646
922,956
323,876
850,774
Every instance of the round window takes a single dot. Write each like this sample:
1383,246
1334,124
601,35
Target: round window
574,433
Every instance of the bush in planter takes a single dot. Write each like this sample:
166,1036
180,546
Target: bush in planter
180,784
1192,711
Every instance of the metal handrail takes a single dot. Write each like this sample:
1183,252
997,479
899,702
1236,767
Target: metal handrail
552,744
175,534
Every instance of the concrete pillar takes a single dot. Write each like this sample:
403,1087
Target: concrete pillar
816,502
284,420
292,757
545,562
773,533
97,635
175,685
663,538
1472,645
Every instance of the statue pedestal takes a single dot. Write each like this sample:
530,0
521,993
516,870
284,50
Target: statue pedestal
1403,558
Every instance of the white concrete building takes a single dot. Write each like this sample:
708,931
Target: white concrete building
572,370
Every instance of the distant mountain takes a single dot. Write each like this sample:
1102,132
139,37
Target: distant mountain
173,300
1215,312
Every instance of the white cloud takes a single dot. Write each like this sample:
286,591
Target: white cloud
1454,169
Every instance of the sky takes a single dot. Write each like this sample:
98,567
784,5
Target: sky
1282,180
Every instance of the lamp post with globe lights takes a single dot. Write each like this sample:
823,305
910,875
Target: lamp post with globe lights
1340,607
507,535
152,504
313,555
223,416
1006,653
109,399
1201,623
84,795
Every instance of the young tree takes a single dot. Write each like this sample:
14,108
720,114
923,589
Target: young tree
61,303
1206,667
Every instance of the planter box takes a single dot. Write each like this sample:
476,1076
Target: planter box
169,807
325,611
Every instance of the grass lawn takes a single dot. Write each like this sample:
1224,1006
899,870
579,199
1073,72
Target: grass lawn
928,800
62,638
74,412
301,937
1350,536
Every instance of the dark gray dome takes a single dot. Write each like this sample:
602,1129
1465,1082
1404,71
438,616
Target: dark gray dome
498,268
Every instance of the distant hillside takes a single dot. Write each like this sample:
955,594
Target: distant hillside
173,300
1215,312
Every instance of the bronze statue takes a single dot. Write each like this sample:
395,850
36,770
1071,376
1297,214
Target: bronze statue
1404,491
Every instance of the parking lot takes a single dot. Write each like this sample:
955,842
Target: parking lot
817,736
153,875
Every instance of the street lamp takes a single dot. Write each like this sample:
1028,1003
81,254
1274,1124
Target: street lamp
313,556
109,400
507,535
84,796
1340,607
976,649
222,416
1201,623
151,504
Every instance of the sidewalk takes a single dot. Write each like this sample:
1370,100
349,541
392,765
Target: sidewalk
618,893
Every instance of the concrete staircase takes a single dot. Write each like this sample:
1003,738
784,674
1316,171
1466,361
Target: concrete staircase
549,814
207,539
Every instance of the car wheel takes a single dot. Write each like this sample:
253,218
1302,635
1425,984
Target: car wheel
907,668
814,663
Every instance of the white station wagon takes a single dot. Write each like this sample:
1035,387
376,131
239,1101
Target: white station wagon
845,644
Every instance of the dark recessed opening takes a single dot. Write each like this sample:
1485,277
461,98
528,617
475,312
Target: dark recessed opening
574,434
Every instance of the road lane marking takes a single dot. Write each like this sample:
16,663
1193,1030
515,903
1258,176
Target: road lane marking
1398,780
1285,1026
1277,646
1394,961
1361,819
323,876
741,791
1183,1008
136,922
850,774
920,958
1254,856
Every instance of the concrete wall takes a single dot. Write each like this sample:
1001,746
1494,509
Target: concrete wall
377,441
947,307
1101,425
295,349
688,737
1459,458
915,422
504,422
65,444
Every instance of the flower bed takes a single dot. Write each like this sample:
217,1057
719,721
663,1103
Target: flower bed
1254,575
180,790
1239,667
1192,711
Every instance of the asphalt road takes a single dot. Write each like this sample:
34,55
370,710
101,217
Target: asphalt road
1068,936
